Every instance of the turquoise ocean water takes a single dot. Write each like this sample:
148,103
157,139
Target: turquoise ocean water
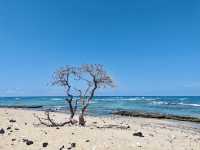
104,105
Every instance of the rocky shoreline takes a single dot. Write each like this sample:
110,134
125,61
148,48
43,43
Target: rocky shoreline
156,115
22,106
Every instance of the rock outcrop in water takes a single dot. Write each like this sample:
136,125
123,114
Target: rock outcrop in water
156,115
22,106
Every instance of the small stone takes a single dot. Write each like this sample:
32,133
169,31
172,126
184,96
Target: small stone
57,128
138,134
13,139
61,148
87,141
45,144
12,120
2,131
72,133
25,123
8,128
73,145
28,142
16,128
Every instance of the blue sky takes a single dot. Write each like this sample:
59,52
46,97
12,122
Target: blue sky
150,47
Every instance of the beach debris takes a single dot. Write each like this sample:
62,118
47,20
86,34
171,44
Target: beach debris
45,144
28,142
138,134
62,147
12,120
2,131
13,139
57,128
113,126
25,123
16,128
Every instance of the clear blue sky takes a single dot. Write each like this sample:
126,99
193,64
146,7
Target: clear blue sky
151,47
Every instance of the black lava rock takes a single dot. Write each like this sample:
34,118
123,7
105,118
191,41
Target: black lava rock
2,131
12,120
28,142
45,144
138,134
73,145
8,128
61,148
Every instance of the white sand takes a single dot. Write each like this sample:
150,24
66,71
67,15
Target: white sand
158,134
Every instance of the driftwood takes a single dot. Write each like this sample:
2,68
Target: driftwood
156,115
49,122
111,126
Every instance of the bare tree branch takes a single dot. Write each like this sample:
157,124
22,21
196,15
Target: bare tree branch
50,122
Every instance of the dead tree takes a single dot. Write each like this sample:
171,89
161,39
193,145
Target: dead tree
80,85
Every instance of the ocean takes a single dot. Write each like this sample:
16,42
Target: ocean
105,105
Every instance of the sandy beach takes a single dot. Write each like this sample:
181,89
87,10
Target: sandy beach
20,126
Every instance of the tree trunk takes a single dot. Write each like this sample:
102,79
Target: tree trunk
81,120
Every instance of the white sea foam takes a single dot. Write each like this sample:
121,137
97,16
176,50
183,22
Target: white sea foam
56,99
182,99
160,103
195,105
